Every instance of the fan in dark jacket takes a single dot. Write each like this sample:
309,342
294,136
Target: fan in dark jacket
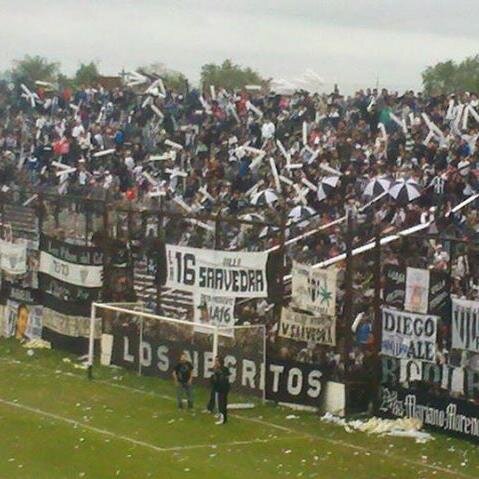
220,387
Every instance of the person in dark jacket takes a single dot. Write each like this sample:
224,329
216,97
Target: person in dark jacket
183,377
220,387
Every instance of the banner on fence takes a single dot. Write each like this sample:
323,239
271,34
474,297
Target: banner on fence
66,298
22,320
395,286
159,353
13,257
445,413
286,381
68,332
439,288
463,380
438,294
408,335
314,290
304,327
214,310
465,325
219,273
73,264
417,290
294,382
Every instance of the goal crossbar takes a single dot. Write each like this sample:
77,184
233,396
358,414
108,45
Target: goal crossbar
220,335
127,309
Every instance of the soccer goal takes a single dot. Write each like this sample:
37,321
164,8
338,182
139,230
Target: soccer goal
129,336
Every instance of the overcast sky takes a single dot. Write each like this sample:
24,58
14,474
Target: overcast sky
351,42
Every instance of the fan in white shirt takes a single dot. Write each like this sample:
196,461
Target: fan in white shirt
267,130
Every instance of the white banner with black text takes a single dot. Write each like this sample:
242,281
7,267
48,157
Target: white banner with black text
408,335
219,273
314,290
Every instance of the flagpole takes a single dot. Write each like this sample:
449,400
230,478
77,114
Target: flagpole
377,316
348,284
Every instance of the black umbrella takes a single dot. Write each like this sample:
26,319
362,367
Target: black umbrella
405,190
326,186
378,185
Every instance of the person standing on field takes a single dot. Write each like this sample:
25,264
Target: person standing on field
183,377
221,387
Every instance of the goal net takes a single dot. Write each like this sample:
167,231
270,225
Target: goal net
151,345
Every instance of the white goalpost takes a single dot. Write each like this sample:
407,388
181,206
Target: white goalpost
129,336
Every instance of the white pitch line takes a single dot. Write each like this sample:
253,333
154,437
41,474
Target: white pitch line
79,424
335,442
136,442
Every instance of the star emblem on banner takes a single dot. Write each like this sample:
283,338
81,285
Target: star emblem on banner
325,295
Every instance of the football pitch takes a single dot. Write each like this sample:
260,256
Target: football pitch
57,424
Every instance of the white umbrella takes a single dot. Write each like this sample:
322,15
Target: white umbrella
378,185
326,186
299,213
252,217
265,197
405,190
268,231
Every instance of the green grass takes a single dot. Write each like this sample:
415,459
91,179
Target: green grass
56,424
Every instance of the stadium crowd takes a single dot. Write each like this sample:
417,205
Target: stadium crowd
307,159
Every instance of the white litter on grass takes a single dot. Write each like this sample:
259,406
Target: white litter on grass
292,416
30,352
81,366
404,427
245,405
37,344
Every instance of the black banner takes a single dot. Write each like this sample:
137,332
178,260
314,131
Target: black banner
439,299
453,416
17,292
66,298
160,355
294,382
67,332
286,381
439,287
449,378
72,253
395,286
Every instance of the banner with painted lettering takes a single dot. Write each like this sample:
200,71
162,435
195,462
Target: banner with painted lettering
460,381
438,296
13,257
417,290
286,381
214,310
219,273
304,327
294,382
160,351
455,416
73,264
67,332
66,298
465,325
314,290
408,335
395,286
